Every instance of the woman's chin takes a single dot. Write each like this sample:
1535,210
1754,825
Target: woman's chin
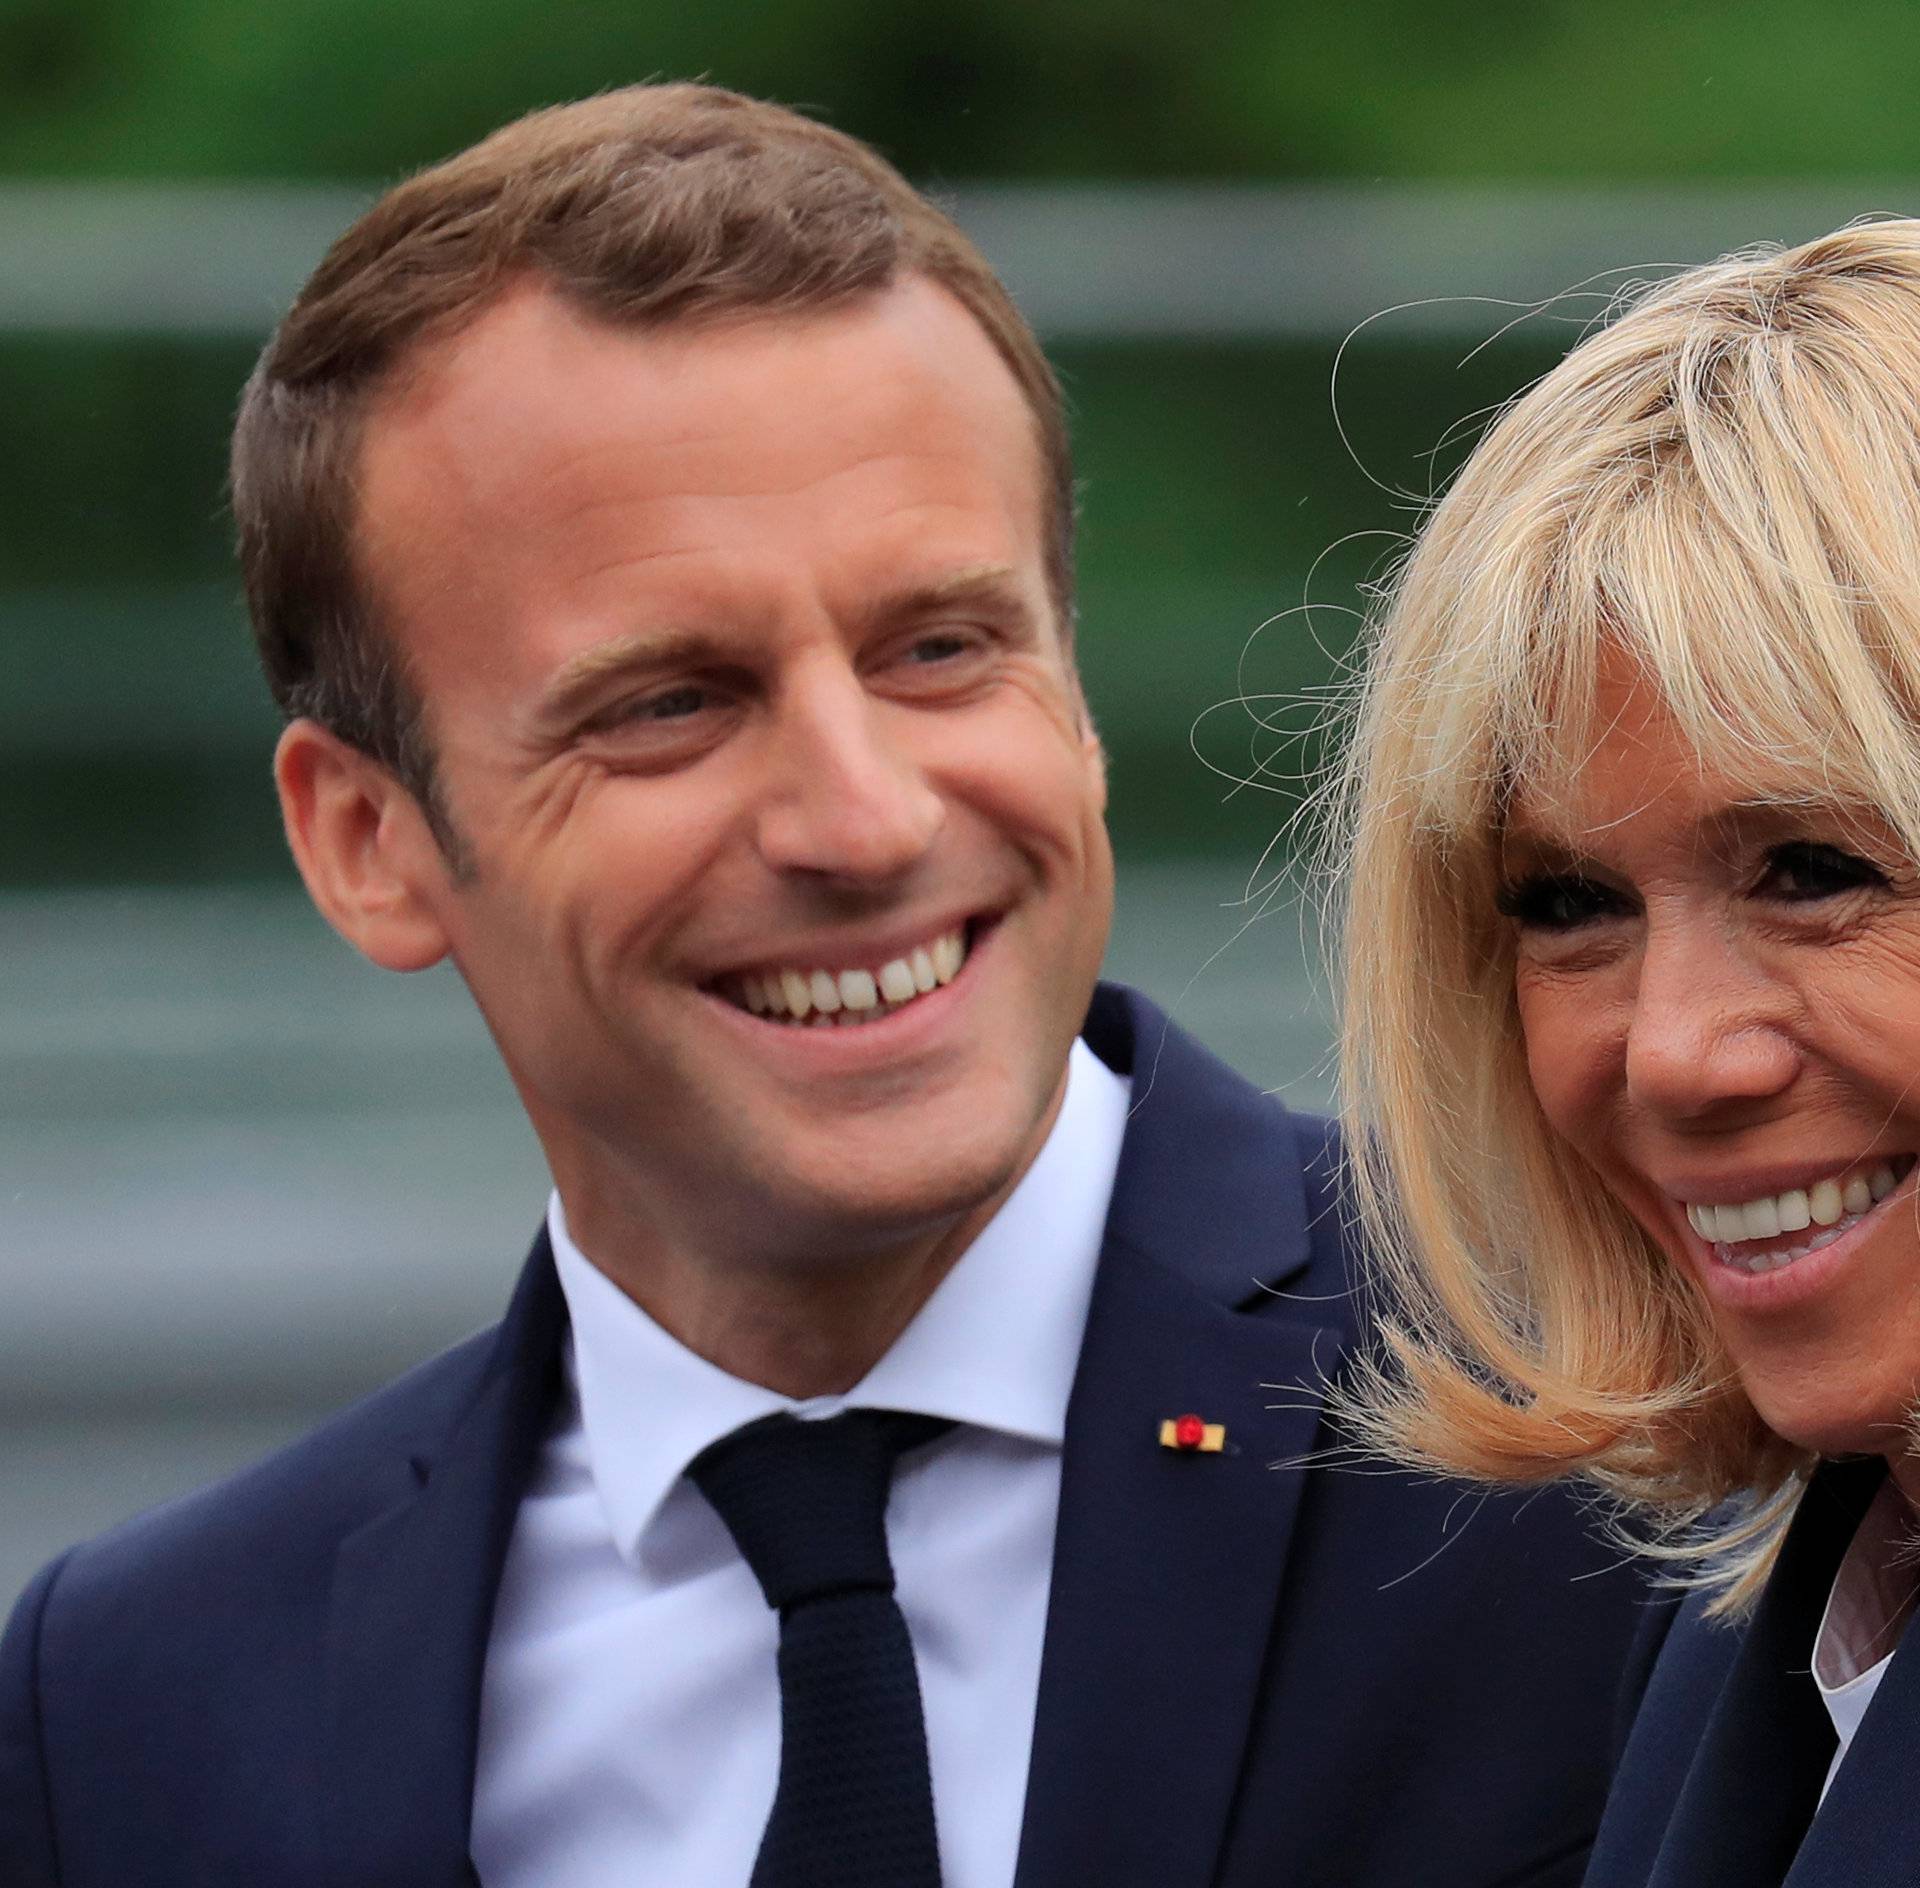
1830,1425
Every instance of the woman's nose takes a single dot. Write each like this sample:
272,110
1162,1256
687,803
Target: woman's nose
1708,1028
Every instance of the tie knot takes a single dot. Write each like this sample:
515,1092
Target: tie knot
806,1502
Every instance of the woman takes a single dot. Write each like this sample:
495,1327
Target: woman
1632,862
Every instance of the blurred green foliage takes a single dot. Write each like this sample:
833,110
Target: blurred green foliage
133,733
1108,88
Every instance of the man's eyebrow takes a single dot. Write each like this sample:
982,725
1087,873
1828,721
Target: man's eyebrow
574,686
973,583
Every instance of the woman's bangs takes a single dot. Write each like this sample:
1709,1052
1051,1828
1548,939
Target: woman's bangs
1776,673
1773,669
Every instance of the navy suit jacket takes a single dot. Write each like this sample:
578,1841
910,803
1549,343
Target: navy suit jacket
1722,1774
1255,1673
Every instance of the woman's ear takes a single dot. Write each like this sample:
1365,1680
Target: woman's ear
363,846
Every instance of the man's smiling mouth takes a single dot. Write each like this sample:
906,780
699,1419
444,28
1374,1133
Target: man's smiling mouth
818,997
1763,1234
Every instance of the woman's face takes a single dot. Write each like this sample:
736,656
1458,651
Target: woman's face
1721,1007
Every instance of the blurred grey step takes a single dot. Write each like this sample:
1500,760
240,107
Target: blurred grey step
239,1165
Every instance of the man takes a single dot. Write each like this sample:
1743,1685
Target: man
657,525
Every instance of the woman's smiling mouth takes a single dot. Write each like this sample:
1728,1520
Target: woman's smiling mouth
1764,1234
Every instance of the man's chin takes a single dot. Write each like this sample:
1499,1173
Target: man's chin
872,1209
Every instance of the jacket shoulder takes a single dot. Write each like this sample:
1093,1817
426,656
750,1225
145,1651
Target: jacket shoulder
278,1512
1220,1180
27,1853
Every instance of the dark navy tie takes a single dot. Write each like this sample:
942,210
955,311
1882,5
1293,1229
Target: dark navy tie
807,1504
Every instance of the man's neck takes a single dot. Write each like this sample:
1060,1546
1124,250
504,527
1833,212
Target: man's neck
804,1311
796,1322
818,1340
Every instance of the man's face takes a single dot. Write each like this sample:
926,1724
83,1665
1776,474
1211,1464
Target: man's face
748,696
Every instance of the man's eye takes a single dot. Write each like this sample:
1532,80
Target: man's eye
1805,871
669,704
1557,901
946,647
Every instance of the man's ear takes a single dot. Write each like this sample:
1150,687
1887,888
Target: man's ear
1093,750
363,845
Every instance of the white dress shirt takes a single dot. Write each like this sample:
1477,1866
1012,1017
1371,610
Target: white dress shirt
630,1714
1867,1610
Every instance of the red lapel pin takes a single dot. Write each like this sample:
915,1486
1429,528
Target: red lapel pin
1192,1435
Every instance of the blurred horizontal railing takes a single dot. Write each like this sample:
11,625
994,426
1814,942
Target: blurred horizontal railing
1088,261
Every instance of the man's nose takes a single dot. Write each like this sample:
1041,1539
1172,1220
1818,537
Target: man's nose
1709,1028
848,797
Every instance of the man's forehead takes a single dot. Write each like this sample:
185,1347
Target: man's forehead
534,326
558,381
546,446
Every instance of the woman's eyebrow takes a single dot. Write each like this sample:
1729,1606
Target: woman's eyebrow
1746,822
1529,848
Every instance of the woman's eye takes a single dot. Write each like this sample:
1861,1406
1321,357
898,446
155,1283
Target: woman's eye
1805,871
1558,901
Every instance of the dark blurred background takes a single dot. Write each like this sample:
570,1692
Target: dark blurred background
242,1176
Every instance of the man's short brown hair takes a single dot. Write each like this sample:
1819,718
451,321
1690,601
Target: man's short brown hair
653,205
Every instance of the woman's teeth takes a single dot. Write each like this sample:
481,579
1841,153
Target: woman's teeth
838,997
1823,1211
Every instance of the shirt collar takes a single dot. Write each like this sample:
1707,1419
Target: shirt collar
648,1405
1866,1612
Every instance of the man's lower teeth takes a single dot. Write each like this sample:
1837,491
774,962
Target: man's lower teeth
839,1019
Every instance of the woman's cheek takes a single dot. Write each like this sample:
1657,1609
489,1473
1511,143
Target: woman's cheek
1562,1049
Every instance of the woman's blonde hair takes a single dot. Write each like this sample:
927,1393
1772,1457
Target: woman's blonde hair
1721,488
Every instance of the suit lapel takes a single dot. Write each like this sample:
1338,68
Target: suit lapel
1867,1832
412,1607
1167,1564
1755,1778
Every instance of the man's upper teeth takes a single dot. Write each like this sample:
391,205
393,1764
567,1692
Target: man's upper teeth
1825,1203
801,993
